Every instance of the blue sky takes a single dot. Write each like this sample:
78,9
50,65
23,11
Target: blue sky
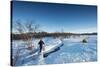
57,17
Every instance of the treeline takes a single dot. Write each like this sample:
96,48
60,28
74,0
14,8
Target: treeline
89,33
45,34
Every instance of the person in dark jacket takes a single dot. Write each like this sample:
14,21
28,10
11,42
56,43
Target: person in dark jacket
41,43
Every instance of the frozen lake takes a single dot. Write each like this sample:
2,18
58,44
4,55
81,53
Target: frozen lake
72,51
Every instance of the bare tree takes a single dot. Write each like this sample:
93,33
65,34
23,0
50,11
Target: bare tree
29,27
26,29
32,26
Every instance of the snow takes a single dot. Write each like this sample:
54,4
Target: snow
51,48
72,51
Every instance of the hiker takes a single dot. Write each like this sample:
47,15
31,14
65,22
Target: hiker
41,43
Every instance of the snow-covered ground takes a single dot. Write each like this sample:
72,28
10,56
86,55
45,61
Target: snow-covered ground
73,50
